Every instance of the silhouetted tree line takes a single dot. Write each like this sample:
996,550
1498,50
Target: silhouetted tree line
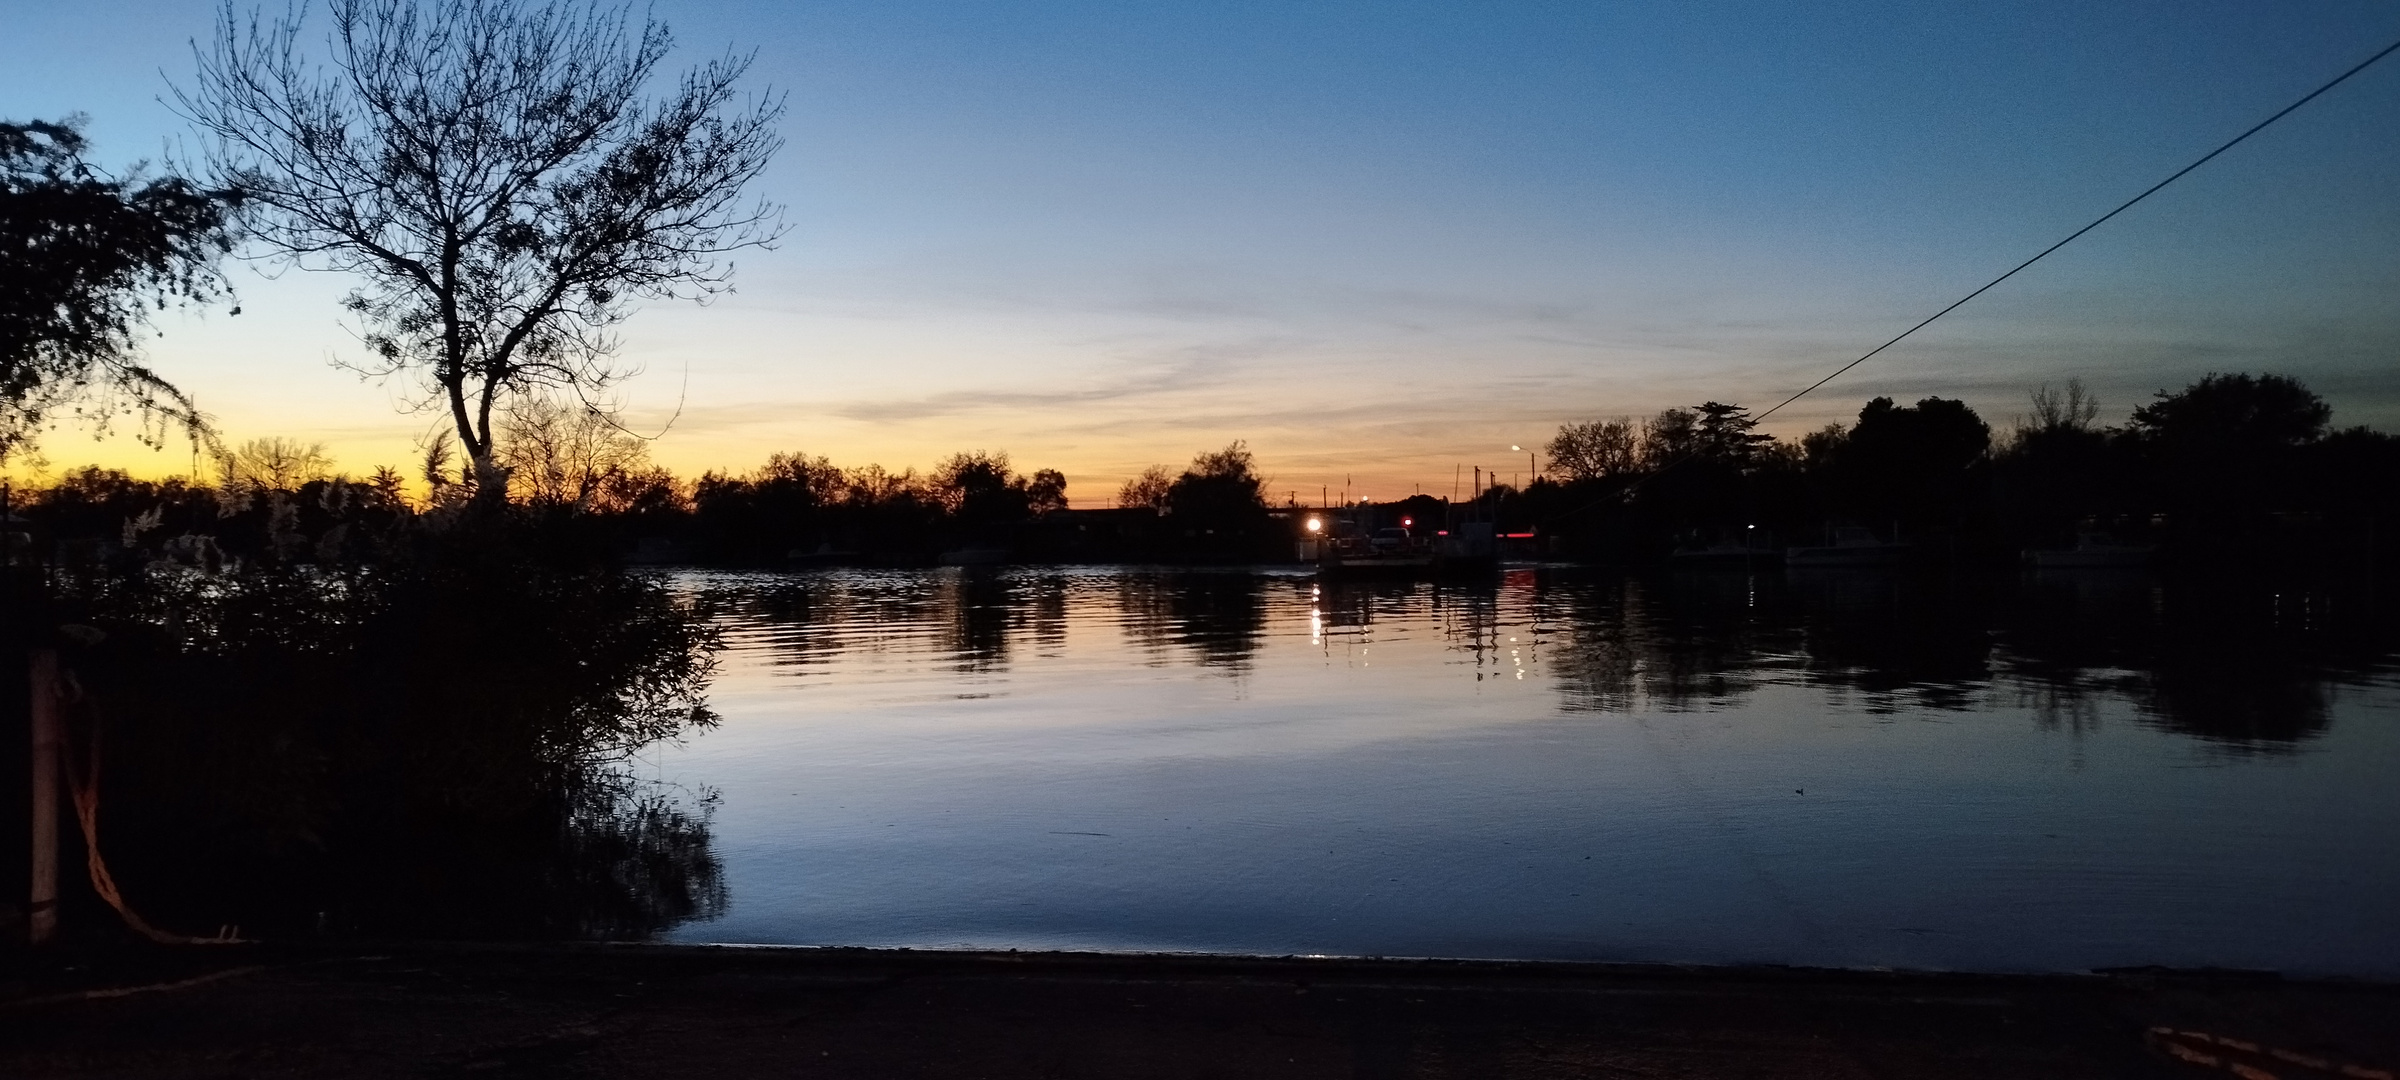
592,486
798,506
2231,466
807,506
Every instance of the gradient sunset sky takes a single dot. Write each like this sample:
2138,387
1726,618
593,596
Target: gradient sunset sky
1384,240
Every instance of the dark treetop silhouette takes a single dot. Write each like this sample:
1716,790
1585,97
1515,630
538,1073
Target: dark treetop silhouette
88,257
492,174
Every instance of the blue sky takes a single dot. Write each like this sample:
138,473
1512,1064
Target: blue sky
1382,240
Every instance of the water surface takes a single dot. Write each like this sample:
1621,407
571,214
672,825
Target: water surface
2060,772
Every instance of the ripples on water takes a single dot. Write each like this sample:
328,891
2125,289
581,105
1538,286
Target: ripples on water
2054,773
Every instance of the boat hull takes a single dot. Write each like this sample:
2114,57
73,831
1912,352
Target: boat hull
2083,559
1888,555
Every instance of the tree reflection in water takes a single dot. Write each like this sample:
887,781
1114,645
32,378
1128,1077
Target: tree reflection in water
1210,618
2241,663
2246,664
980,607
1217,617
438,744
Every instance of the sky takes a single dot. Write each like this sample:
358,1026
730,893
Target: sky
1384,242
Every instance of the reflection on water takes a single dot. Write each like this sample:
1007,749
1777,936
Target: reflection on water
2048,771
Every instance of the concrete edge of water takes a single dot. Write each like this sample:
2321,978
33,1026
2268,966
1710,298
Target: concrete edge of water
25,974
626,1010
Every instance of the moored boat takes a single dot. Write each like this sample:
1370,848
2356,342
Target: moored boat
1850,545
1726,554
1400,552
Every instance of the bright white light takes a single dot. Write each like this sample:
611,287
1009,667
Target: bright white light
1314,525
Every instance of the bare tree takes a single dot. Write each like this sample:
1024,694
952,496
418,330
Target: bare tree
275,463
817,478
2071,409
1669,437
1597,449
565,454
1149,489
492,173
873,485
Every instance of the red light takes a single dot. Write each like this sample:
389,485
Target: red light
1406,522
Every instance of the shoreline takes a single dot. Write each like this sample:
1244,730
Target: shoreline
642,1010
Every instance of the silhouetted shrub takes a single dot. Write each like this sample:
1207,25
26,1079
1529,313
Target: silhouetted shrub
426,742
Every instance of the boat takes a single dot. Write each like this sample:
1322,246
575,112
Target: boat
1726,554
1399,552
1850,545
2091,550
1408,565
1392,552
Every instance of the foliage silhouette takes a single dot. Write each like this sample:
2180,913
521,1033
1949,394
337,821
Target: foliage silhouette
1916,465
2223,449
2231,468
88,258
2181,477
1218,504
1147,490
355,716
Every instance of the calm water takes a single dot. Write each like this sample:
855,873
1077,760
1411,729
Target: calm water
2051,773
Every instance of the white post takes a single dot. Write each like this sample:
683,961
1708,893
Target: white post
43,913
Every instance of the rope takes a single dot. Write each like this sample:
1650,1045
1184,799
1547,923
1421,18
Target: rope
84,791
128,991
2226,1053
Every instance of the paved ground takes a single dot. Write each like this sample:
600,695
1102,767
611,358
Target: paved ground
667,1012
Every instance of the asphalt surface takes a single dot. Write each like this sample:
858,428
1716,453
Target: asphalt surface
652,1011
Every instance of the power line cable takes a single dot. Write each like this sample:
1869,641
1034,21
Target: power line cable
2096,223
2045,252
